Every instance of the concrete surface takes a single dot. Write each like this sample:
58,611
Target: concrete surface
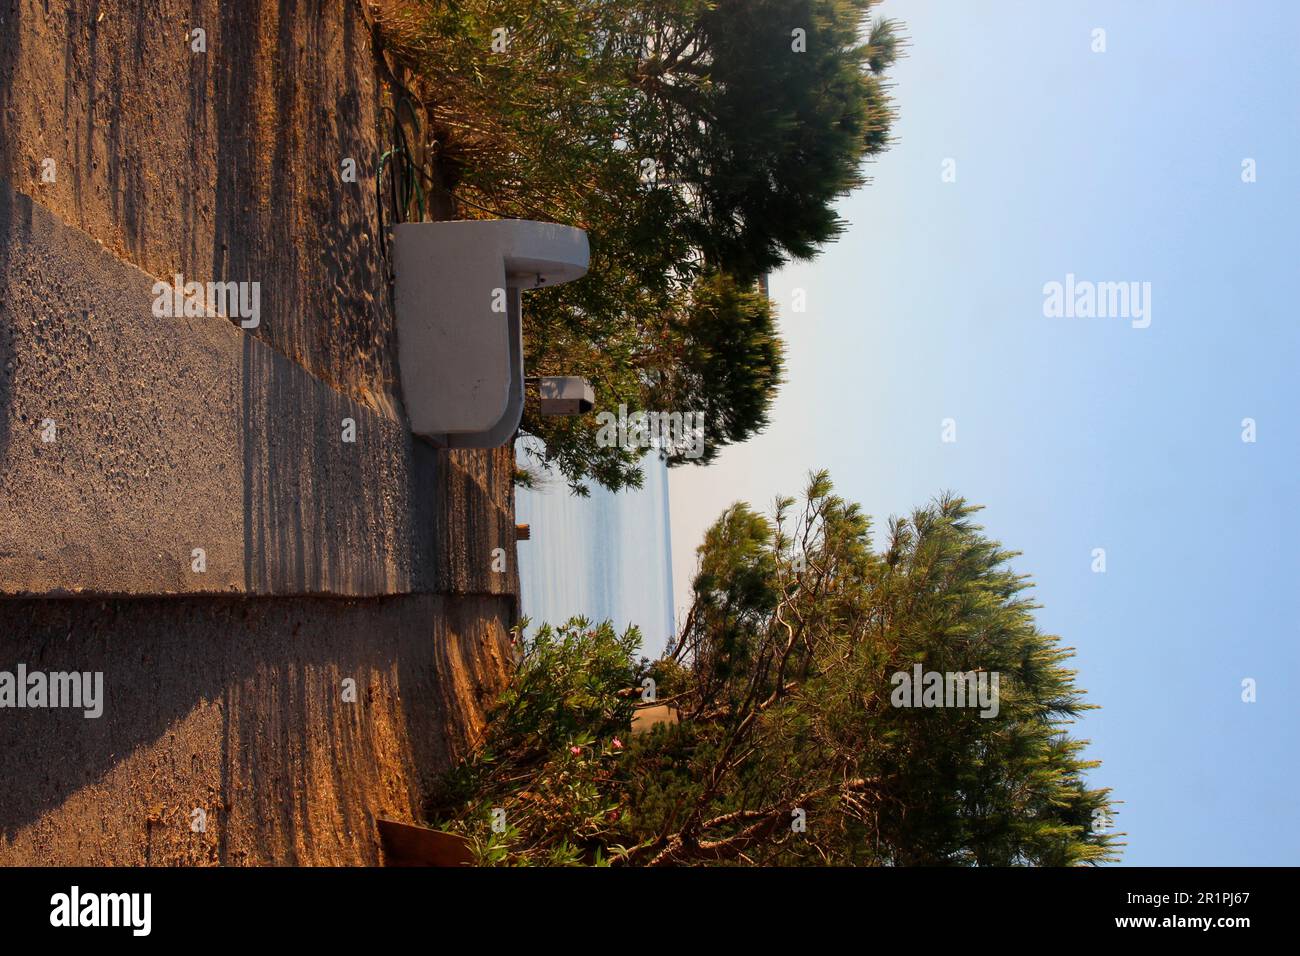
221,166
235,707
224,165
457,293
171,434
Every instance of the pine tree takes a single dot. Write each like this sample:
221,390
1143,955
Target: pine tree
701,143
786,676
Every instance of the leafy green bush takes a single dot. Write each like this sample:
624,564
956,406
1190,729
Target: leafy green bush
550,749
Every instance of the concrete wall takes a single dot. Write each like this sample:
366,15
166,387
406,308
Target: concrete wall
129,440
326,561
217,165
236,707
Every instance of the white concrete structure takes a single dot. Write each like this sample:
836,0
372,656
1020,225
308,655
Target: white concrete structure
565,395
459,326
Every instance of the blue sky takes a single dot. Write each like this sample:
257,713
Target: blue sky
1084,433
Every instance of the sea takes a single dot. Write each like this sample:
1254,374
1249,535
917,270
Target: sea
606,557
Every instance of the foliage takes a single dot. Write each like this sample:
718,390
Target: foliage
547,757
697,148
783,675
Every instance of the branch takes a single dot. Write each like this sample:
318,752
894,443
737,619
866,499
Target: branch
683,848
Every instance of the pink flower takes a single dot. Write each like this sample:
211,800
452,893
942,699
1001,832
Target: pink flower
575,750
618,744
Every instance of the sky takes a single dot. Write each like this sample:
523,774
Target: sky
1079,434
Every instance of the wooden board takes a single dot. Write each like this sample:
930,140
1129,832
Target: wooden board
407,844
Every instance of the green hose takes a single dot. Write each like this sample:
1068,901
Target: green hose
403,177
